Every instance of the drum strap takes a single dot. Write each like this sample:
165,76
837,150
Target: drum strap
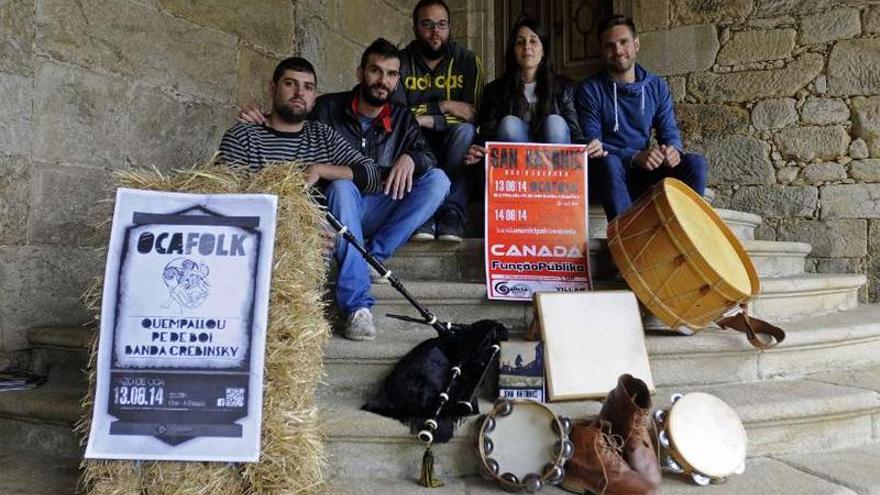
754,329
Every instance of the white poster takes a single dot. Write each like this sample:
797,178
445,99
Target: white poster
183,327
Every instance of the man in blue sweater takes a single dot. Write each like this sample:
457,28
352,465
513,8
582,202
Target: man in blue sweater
618,108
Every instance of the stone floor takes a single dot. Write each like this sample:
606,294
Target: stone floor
853,471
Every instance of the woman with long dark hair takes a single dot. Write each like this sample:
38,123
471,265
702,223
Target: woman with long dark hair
529,102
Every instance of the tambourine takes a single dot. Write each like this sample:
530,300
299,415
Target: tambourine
700,437
523,445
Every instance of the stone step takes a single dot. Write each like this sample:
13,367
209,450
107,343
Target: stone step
61,353
780,299
854,468
784,298
42,419
839,472
743,224
26,472
781,417
777,258
464,262
845,340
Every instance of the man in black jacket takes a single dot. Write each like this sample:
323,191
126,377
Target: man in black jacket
413,189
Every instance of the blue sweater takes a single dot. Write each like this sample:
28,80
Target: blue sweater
623,119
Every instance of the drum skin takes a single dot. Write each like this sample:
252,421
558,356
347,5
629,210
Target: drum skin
680,258
707,435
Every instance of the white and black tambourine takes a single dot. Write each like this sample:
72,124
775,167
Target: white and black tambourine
700,437
523,445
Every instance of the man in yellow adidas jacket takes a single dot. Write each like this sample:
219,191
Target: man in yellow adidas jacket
441,82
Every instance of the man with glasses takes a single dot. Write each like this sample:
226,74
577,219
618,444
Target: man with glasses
441,83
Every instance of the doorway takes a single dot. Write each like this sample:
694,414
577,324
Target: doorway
571,25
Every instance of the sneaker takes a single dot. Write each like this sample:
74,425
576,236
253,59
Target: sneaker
360,325
376,277
450,228
425,233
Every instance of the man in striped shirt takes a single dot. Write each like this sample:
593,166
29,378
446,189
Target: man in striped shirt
353,184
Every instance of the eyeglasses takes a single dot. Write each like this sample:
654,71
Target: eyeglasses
429,25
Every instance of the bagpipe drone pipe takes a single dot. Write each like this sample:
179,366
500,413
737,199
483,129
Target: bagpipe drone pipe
435,384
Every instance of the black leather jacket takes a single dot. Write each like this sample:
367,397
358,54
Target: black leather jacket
494,108
385,140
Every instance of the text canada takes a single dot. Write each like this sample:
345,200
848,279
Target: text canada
534,250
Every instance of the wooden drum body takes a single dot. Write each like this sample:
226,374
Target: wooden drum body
700,437
523,445
680,258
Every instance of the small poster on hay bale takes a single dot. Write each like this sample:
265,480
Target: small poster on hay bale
291,457
183,327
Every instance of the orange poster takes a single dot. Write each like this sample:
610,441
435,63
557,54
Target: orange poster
536,220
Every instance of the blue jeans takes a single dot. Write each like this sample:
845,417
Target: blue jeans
385,222
618,182
451,146
554,130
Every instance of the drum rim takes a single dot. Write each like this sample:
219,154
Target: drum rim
663,311
679,456
559,460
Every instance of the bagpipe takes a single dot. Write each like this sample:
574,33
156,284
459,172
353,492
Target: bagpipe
434,386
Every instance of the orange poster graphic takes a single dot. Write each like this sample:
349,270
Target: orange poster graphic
536,220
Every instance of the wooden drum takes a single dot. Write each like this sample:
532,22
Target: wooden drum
700,437
678,256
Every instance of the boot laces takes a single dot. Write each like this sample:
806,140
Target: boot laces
609,444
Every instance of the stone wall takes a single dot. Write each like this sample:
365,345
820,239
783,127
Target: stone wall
94,86
333,34
783,97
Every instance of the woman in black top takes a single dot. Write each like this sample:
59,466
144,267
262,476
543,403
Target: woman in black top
529,103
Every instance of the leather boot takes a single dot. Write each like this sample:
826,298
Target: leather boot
627,408
597,466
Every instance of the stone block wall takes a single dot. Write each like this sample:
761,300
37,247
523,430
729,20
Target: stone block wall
94,86
332,34
783,97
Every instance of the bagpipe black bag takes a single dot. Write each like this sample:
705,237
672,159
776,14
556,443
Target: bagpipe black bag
411,392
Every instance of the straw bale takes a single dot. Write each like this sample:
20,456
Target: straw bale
293,457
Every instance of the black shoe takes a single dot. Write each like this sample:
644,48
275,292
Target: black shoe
450,228
424,233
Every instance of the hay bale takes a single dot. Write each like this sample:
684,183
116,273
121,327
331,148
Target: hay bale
293,458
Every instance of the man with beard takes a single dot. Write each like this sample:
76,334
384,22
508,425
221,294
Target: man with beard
413,188
441,84
619,107
387,133
286,135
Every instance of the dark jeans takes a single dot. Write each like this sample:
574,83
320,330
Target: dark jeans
450,147
617,183
554,129
384,223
